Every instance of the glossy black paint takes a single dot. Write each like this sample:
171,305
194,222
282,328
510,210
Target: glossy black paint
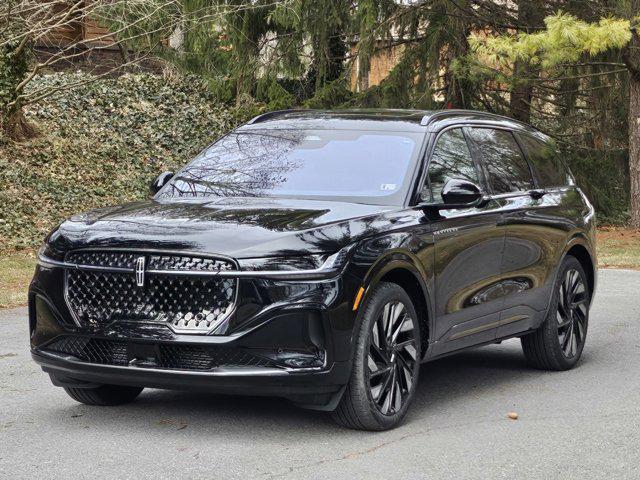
461,193
478,273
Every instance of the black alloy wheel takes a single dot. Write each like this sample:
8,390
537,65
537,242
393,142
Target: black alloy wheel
392,358
386,362
558,343
572,313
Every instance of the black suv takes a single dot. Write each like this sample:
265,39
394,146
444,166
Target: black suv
322,256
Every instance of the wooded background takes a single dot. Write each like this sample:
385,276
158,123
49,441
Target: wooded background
571,68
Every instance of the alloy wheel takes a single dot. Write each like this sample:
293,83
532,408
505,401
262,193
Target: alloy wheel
392,358
572,313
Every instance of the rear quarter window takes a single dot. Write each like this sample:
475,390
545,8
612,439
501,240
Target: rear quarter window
544,158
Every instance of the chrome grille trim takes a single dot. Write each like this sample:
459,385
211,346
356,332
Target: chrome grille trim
318,274
322,273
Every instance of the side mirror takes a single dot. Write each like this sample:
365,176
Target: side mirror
461,192
160,181
458,193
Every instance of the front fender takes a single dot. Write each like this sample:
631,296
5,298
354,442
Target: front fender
400,266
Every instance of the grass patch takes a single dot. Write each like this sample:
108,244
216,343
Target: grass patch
617,248
15,274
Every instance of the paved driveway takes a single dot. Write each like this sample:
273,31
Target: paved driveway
580,424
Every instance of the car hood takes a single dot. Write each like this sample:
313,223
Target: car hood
236,227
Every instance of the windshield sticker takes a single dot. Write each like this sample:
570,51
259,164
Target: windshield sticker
386,187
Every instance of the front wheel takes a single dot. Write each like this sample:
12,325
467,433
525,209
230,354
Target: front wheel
558,343
104,395
386,363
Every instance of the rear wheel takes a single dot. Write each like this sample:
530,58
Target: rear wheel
104,395
558,343
386,364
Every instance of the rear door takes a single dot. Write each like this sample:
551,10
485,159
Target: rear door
530,245
542,226
468,251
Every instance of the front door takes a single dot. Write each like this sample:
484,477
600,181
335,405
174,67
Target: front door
468,252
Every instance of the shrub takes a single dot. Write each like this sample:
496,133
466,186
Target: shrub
100,144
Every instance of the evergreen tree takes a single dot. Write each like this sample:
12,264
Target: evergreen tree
565,41
574,75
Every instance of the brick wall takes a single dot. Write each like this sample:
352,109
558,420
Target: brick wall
80,30
382,62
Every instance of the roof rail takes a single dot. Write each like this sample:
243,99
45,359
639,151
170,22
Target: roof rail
266,116
460,111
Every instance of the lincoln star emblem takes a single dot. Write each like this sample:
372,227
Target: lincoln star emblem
140,271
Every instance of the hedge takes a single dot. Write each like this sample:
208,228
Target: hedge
101,144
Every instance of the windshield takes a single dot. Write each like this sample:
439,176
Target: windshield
358,166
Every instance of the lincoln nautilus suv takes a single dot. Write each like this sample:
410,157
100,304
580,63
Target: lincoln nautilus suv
322,257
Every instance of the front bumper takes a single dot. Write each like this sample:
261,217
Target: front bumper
319,388
302,330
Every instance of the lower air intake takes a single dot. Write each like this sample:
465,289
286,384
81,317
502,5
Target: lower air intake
179,357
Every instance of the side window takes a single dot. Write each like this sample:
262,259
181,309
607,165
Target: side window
451,158
507,168
545,161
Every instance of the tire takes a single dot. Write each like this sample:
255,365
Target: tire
104,395
386,362
558,343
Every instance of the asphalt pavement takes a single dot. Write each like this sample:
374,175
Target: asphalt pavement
580,424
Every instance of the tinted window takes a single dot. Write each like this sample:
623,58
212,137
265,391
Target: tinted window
451,159
362,166
508,169
545,161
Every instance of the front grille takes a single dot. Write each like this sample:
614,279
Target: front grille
189,304
179,357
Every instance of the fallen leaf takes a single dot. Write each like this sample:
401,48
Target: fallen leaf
179,424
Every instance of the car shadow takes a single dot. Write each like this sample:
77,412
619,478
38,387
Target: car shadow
464,376
444,384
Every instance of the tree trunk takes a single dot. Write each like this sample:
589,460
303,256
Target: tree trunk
530,17
363,74
631,56
458,89
522,91
634,148
14,64
15,126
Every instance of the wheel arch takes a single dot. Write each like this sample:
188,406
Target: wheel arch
579,249
401,270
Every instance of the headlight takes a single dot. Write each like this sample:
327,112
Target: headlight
47,251
317,262
308,262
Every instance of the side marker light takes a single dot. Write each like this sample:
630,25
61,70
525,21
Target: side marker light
356,302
